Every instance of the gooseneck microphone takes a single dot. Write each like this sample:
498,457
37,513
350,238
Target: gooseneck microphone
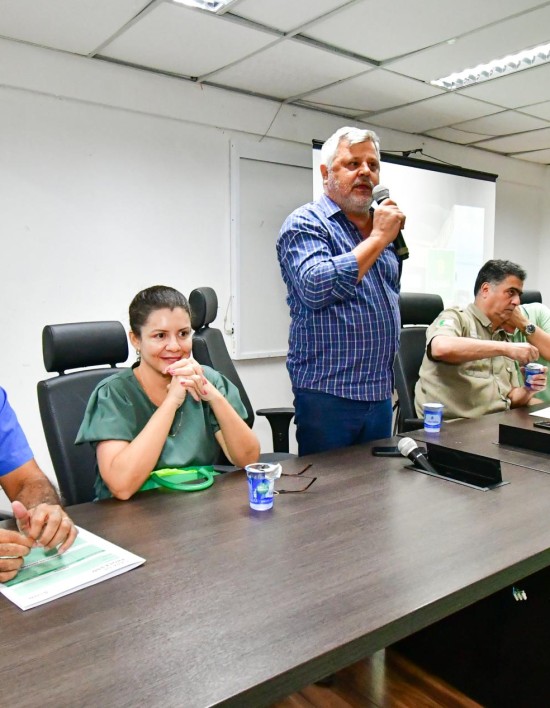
408,448
379,193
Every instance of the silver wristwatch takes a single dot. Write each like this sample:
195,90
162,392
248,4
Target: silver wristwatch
529,329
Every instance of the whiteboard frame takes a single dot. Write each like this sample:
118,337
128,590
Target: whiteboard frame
281,154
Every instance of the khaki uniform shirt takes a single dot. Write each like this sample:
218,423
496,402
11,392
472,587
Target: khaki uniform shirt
471,389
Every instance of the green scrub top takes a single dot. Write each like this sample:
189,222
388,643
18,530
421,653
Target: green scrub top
119,409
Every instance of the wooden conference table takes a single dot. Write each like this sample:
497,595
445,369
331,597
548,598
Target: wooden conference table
241,608
496,650
481,435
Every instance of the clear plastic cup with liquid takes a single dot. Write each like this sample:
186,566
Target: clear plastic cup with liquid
261,483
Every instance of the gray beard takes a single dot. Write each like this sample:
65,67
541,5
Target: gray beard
350,204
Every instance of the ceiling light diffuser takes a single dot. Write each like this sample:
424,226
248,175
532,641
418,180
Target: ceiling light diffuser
210,5
497,67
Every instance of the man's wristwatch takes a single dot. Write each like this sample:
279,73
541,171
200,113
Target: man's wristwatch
529,329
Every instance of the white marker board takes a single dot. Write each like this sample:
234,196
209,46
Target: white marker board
266,186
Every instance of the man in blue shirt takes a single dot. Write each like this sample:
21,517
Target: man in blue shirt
342,275
35,503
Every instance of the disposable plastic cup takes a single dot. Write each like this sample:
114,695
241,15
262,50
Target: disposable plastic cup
433,417
261,482
530,371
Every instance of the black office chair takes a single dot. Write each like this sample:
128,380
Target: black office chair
418,310
528,296
209,348
62,400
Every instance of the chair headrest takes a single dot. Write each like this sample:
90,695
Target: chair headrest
79,344
204,307
528,296
419,308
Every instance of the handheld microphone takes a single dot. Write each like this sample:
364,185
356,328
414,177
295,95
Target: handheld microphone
408,448
379,193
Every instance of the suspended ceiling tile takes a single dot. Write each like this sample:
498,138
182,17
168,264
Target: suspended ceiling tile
381,30
503,123
541,110
455,135
184,41
466,52
437,112
328,108
540,156
287,69
72,26
524,142
515,90
376,90
284,15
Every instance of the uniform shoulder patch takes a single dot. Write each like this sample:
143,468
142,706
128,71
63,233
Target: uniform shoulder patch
445,323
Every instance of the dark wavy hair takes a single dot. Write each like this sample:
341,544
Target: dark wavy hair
494,272
157,297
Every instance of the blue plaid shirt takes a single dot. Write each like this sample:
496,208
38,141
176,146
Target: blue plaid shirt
343,334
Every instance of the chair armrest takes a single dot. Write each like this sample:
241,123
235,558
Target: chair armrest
279,420
409,424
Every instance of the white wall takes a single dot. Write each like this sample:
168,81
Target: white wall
544,240
113,179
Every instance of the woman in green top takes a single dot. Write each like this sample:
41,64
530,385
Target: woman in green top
167,411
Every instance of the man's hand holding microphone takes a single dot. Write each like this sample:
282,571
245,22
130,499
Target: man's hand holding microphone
385,215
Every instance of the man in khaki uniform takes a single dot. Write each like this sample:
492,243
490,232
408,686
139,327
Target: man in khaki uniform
469,361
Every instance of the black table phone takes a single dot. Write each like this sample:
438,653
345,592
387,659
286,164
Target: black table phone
390,451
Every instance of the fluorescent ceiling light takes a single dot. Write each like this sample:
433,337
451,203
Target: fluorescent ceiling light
210,5
497,67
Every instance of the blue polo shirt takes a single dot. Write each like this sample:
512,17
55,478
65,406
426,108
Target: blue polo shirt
14,448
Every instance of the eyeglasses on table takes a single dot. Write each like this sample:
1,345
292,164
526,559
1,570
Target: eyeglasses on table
297,475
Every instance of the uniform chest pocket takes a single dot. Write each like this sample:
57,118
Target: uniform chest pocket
480,369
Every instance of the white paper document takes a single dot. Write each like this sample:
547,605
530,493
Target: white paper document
543,413
47,575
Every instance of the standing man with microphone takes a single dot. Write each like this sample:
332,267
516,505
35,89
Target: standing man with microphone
339,262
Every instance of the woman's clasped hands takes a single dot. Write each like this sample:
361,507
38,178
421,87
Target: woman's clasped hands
188,377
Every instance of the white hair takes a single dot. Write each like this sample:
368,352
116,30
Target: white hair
352,136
